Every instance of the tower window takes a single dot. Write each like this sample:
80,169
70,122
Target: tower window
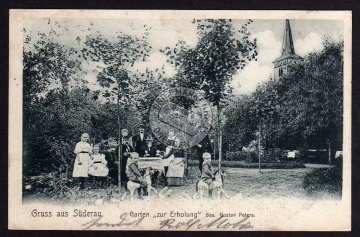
281,72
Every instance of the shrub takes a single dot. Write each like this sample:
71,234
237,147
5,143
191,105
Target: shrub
324,179
268,156
239,155
272,155
54,185
244,164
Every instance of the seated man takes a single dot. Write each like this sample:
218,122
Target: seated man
133,173
207,174
149,150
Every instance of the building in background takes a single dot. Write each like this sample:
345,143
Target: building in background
288,55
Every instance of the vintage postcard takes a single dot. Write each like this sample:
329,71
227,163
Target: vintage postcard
180,120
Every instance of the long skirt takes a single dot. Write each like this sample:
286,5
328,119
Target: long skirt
176,171
81,165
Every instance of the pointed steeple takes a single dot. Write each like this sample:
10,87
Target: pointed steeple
288,45
288,55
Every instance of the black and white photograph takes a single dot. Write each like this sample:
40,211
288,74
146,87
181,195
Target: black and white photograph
180,120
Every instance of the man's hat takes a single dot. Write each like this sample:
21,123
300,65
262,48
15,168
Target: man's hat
124,130
141,126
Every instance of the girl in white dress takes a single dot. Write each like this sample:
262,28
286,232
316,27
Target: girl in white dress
81,164
98,164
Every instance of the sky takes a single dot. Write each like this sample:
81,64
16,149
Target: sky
307,36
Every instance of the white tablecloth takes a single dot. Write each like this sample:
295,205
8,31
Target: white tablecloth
155,163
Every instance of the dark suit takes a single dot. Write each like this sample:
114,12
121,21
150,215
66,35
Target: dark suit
151,151
138,143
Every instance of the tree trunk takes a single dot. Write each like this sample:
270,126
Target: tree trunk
260,146
214,147
119,143
329,149
67,172
219,134
220,148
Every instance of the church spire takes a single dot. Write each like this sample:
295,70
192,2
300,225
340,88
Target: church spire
288,55
288,45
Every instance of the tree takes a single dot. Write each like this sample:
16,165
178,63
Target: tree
304,108
48,68
265,111
316,97
119,84
47,65
240,125
220,53
61,118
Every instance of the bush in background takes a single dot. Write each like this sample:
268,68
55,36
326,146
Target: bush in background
325,179
244,164
268,156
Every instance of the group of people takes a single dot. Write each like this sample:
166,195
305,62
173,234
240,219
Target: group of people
89,162
144,145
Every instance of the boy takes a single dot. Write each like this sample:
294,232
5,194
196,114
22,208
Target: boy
133,173
126,150
207,174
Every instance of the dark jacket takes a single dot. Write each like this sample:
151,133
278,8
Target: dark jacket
151,151
207,172
132,170
137,143
205,147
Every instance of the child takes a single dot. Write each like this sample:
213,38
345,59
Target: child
98,165
126,150
207,174
81,164
133,173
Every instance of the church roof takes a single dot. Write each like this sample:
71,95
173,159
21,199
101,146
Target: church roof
288,50
288,56
288,45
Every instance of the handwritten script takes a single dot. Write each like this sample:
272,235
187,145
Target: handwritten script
220,223
124,221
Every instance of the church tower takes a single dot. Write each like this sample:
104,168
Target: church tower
288,55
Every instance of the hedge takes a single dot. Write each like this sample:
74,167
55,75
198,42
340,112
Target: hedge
324,179
242,164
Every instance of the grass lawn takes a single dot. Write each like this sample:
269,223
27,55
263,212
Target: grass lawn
270,183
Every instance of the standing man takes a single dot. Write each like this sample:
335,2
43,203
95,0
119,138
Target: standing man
138,141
